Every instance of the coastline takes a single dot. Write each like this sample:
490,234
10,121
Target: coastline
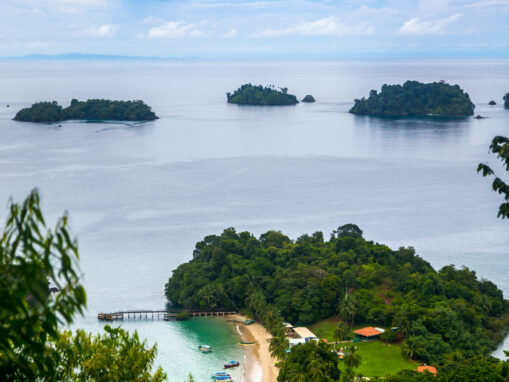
258,363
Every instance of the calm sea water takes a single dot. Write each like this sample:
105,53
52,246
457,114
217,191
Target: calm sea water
141,195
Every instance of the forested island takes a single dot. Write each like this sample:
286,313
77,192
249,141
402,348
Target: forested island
438,313
92,109
308,98
259,95
506,100
415,99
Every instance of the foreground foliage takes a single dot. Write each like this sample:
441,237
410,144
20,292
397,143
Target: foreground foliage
92,109
32,348
258,95
415,99
500,147
303,281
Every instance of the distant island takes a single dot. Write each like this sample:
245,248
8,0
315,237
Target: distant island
309,98
415,99
492,102
92,109
249,94
506,100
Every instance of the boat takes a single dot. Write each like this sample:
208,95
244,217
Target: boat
205,349
247,343
221,376
231,364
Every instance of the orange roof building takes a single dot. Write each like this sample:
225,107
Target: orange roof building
369,332
431,369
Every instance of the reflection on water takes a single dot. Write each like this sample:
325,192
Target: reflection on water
141,195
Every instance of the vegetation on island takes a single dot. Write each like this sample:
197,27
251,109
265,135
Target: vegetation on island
492,102
500,147
33,346
438,313
414,98
308,98
92,109
249,94
506,100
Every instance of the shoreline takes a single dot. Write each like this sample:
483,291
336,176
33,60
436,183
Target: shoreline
258,363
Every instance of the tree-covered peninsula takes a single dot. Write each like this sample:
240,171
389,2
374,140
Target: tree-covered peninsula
262,96
415,99
92,109
437,313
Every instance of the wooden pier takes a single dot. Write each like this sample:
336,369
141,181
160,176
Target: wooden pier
166,315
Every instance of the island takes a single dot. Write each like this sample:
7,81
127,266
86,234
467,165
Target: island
427,315
414,98
308,98
492,102
90,110
506,100
259,95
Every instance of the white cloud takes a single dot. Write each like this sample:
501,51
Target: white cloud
422,27
231,33
105,30
328,26
176,29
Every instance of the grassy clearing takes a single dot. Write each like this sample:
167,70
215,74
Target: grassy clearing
380,359
377,358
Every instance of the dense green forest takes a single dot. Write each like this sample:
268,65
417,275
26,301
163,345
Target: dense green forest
92,109
258,95
415,99
438,312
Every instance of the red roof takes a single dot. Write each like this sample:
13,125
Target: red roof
431,369
368,332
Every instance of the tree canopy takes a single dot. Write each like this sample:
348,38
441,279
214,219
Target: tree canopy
92,109
309,279
249,94
415,99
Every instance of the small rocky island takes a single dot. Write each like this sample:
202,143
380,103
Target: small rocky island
90,110
263,96
415,99
308,98
492,102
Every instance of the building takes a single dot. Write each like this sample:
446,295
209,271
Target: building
305,333
369,333
430,369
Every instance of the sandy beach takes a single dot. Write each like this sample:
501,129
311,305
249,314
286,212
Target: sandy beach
258,363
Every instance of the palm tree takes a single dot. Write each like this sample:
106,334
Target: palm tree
278,346
341,333
315,371
256,303
411,347
297,374
347,309
352,358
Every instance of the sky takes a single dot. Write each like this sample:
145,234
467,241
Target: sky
258,28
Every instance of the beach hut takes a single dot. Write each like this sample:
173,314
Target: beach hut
289,329
305,333
368,333
426,368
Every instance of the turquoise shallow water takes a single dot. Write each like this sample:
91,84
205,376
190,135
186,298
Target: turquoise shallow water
178,341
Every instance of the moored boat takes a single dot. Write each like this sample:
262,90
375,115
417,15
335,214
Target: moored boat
221,376
231,364
205,348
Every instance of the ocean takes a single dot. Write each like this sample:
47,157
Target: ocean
140,195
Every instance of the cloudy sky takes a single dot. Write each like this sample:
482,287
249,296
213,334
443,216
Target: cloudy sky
264,28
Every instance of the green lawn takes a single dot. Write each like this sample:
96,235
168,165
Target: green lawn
377,358
380,359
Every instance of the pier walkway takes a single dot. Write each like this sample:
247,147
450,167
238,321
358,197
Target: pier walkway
166,315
